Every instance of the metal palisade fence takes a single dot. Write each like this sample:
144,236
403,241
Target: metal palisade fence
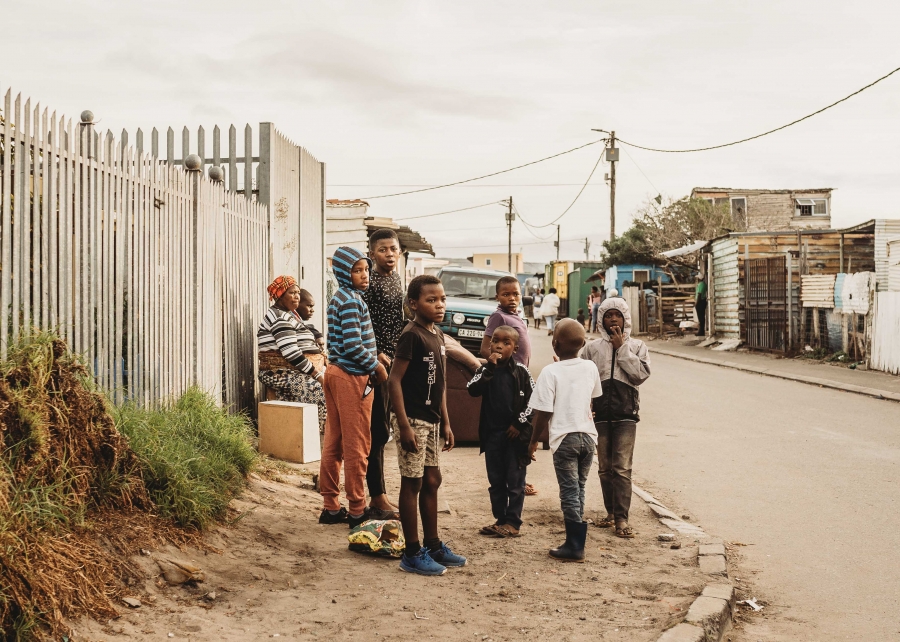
154,273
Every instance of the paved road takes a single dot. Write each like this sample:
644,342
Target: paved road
807,476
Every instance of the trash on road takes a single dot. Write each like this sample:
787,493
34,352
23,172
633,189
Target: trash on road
752,604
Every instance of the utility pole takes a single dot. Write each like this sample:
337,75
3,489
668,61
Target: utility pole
587,249
612,155
510,217
556,243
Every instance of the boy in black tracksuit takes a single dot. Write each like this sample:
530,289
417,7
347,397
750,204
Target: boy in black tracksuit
504,429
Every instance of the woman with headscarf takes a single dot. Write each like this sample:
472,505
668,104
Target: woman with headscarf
290,361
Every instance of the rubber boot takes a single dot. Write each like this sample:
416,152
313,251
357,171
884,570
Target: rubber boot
573,548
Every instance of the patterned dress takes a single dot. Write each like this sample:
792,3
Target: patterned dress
284,338
385,298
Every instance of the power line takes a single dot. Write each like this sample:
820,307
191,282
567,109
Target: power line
462,209
771,131
458,247
433,185
477,178
641,171
575,200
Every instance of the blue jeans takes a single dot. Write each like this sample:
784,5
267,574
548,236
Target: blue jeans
594,320
572,461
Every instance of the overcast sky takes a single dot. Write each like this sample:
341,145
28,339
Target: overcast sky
392,94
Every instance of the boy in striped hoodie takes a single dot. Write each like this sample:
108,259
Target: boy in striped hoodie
348,398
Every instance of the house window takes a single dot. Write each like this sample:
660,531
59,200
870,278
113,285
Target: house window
488,262
641,276
811,207
739,210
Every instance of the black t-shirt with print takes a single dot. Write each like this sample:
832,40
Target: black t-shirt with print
423,383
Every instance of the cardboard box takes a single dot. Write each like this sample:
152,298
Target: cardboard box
289,431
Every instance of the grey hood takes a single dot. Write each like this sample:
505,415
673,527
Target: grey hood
614,303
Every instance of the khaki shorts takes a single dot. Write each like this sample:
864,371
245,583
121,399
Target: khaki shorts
429,442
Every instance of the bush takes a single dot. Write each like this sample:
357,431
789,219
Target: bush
195,456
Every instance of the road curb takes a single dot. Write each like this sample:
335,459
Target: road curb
814,381
711,614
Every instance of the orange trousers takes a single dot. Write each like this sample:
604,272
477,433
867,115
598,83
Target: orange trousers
348,439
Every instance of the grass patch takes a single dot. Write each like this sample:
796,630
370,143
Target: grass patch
79,494
194,455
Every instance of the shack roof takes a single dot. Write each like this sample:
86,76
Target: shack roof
733,190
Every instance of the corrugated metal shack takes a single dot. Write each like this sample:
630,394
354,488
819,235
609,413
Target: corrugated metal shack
755,277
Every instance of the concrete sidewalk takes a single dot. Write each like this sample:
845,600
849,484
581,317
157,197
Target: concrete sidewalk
865,382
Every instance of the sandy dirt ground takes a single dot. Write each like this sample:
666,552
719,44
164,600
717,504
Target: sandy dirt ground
281,574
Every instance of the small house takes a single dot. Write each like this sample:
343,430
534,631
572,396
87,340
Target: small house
756,210
755,283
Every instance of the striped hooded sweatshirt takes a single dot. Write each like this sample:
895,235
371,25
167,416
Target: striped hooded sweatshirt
351,341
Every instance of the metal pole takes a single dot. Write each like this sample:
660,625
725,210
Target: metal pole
612,189
509,222
557,243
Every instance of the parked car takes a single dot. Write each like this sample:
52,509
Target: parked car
470,301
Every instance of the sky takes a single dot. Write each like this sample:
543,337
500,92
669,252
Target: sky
395,95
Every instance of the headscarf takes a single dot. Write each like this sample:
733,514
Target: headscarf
280,285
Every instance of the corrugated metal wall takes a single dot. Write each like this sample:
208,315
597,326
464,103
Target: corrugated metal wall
726,288
885,230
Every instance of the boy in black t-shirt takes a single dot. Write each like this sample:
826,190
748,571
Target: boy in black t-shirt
419,402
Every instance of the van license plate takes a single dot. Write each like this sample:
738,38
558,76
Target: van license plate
474,334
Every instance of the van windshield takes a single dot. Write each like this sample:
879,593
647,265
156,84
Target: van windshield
469,285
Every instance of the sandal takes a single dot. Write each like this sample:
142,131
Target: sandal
505,530
606,522
489,530
530,490
625,532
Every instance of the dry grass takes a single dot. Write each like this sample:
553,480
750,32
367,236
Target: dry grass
73,501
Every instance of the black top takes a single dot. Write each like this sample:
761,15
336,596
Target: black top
384,296
423,383
501,389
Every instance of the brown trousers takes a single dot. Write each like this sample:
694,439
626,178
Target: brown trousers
348,439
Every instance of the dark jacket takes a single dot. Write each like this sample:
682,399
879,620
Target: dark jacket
480,386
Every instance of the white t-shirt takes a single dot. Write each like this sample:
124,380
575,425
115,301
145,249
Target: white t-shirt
550,305
566,388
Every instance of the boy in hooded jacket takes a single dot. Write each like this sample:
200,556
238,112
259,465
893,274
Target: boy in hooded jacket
624,364
349,382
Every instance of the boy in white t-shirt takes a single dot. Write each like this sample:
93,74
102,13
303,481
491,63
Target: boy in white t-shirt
562,400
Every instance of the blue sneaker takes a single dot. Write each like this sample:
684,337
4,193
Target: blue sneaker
447,557
421,563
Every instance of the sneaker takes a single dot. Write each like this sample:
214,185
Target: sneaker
421,563
338,518
353,522
447,557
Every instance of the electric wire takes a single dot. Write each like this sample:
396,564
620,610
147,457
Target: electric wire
771,131
462,209
515,244
575,200
477,178
641,171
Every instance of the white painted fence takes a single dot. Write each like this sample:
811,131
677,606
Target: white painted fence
154,274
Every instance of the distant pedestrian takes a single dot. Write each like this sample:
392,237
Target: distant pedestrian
623,364
594,301
561,402
549,309
581,319
700,304
354,371
507,314
421,423
538,301
504,429
385,297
